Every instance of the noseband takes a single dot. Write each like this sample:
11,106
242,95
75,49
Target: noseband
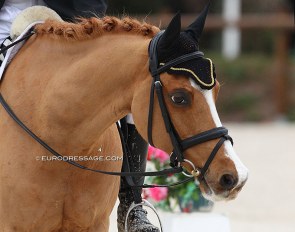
179,145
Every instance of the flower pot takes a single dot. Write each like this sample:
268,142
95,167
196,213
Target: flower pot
191,205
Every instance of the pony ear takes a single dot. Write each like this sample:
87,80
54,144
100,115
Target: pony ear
196,28
171,33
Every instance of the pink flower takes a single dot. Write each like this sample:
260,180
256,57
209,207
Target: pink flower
161,155
158,194
157,154
151,151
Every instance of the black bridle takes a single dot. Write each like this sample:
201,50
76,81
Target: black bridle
179,145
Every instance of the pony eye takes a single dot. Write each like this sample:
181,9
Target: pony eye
180,98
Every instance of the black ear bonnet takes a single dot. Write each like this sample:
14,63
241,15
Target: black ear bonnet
174,43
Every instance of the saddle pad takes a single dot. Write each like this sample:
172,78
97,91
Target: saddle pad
13,50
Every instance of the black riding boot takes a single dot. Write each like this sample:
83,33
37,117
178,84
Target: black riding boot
137,219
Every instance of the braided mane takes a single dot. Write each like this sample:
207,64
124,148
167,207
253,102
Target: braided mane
94,27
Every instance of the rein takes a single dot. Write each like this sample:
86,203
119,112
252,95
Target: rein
55,153
5,48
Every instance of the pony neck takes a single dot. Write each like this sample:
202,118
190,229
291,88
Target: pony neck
102,84
88,85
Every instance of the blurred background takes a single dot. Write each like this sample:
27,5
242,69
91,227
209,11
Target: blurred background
252,43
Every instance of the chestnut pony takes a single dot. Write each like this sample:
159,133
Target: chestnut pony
69,84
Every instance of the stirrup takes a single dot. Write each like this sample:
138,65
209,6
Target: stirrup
143,203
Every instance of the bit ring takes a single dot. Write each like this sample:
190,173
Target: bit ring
194,173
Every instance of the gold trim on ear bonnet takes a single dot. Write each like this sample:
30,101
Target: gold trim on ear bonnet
200,70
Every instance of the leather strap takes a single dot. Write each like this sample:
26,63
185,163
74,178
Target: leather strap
150,116
157,86
204,137
52,151
5,48
180,60
210,158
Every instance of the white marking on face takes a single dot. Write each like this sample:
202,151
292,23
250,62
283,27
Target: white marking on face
240,167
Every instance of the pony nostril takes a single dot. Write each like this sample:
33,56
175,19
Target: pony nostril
227,181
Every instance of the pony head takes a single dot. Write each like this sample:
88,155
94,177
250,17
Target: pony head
190,90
